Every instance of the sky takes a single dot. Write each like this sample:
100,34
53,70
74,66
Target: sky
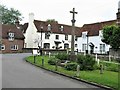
89,11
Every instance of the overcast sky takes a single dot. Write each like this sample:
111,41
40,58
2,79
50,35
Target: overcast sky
89,11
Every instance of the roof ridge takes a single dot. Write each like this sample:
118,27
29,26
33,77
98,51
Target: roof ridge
57,23
101,22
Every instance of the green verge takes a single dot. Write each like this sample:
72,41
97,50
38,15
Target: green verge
108,78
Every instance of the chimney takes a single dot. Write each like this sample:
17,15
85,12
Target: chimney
118,14
31,17
17,23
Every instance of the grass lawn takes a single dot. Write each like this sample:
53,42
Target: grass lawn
108,78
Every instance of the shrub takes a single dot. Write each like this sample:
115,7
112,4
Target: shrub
110,66
96,67
53,60
86,62
62,56
71,66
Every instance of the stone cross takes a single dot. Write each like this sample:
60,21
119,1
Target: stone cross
73,30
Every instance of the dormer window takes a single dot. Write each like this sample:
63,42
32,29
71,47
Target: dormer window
100,34
61,28
66,37
11,36
84,34
49,27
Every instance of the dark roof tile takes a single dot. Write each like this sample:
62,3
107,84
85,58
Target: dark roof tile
11,28
55,27
94,28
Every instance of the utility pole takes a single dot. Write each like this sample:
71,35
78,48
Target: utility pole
73,31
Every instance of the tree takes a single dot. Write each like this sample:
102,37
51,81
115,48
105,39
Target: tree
111,36
51,20
9,15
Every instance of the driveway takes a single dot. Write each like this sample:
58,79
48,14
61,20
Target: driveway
16,73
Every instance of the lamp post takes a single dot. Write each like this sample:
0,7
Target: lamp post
41,29
40,47
87,44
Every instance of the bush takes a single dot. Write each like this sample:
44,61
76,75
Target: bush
71,66
96,67
86,62
110,66
62,56
53,60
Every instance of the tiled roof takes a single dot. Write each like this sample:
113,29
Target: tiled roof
55,27
11,28
93,29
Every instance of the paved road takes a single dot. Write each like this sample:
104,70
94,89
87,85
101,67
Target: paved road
16,73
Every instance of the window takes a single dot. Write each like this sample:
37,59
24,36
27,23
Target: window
66,37
84,34
47,36
100,34
47,45
49,27
75,38
75,45
102,48
2,47
57,37
14,47
11,36
84,47
66,45
61,28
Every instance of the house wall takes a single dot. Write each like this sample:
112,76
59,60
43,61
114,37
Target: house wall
31,35
52,38
96,40
8,44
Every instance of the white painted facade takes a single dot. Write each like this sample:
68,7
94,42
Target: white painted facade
31,33
33,38
99,46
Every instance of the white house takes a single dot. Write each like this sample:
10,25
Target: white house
90,38
48,35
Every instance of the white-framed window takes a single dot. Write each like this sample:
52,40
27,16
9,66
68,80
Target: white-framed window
101,33
49,27
66,46
57,37
84,47
47,36
84,34
102,48
75,45
11,36
61,28
2,47
14,47
66,37
47,45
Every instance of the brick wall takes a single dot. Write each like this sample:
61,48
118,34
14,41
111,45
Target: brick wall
8,45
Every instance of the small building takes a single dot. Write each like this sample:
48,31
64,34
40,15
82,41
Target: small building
12,39
48,35
90,38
